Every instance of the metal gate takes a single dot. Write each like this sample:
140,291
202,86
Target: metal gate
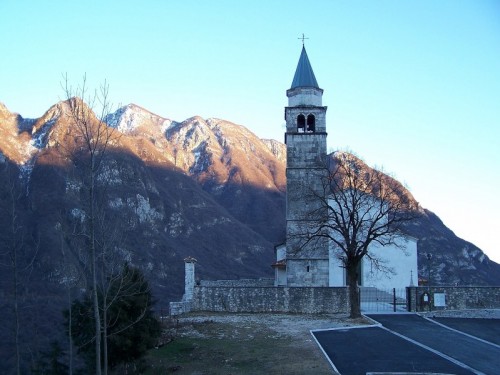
382,300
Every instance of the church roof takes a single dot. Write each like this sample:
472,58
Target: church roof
304,75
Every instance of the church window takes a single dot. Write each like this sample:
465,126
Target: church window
311,123
307,268
301,123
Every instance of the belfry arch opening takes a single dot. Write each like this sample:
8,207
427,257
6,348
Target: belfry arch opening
301,123
311,123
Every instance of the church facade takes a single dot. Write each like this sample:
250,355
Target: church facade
318,264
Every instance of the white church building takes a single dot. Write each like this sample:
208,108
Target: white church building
319,264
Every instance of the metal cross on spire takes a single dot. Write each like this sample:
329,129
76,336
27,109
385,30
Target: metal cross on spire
303,38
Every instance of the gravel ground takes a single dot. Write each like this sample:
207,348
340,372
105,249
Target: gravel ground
294,325
281,324
228,344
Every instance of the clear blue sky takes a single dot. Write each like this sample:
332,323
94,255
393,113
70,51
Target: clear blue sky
413,86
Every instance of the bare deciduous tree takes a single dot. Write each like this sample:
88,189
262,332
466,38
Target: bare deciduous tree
100,235
17,255
357,207
92,139
73,277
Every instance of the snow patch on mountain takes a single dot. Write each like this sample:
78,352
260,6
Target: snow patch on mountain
123,119
72,186
175,224
128,118
40,137
143,209
79,214
223,141
166,124
40,133
278,149
110,175
202,159
116,203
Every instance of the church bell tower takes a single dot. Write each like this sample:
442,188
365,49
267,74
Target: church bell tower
305,138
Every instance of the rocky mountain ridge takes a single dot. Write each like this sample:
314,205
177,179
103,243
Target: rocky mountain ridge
205,188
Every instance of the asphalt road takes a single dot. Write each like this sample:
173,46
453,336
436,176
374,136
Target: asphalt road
486,329
410,343
475,353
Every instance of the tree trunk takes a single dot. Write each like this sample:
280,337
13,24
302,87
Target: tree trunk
97,329
105,336
94,274
14,260
70,333
352,281
16,314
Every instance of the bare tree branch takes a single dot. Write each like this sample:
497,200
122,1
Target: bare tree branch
355,207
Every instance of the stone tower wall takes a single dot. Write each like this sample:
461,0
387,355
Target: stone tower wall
291,114
189,281
307,265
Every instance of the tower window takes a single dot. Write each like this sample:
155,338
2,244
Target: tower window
311,124
307,268
301,123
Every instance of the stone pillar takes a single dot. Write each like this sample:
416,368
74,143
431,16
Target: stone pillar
189,281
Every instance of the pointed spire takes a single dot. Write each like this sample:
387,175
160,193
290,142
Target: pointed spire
304,75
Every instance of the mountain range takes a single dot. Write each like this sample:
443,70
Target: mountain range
206,188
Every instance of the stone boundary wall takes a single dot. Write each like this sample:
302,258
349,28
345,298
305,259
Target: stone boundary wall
456,298
238,283
308,300
178,308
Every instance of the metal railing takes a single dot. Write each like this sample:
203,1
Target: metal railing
382,300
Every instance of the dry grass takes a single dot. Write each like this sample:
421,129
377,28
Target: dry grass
244,344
